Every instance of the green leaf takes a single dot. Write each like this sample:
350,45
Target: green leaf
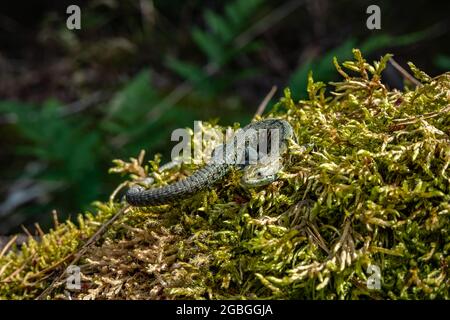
134,100
218,25
209,45
186,70
384,40
442,62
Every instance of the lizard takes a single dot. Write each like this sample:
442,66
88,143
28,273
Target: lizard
224,158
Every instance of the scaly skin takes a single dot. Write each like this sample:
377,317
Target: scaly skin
216,169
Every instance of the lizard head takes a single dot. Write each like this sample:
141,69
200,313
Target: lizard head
260,174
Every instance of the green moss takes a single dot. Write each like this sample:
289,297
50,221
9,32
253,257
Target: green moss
374,190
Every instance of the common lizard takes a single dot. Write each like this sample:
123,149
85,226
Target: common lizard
224,158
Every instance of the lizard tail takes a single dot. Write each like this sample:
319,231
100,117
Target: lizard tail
199,180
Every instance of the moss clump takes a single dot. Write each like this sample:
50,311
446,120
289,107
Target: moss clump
373,190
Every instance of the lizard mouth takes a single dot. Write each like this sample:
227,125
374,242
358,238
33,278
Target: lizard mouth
258,181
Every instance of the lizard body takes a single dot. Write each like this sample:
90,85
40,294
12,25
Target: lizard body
224,158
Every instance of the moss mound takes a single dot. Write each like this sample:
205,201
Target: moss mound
374,190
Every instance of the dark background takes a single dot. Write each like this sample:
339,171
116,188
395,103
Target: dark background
71,101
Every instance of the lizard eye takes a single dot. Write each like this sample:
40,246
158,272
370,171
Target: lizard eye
259,174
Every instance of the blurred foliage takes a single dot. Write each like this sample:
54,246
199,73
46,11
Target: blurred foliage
69,148
128,116
218,45
443,62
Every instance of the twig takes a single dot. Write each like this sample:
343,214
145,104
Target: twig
18,197
18,270
53,266
147,13
26,231
83,250
83,103
116,191
7,245
422,117
404,73
39,231
55,218
262,106
267,22
3,268
65,110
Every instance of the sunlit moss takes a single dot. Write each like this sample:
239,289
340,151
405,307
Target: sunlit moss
373,189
